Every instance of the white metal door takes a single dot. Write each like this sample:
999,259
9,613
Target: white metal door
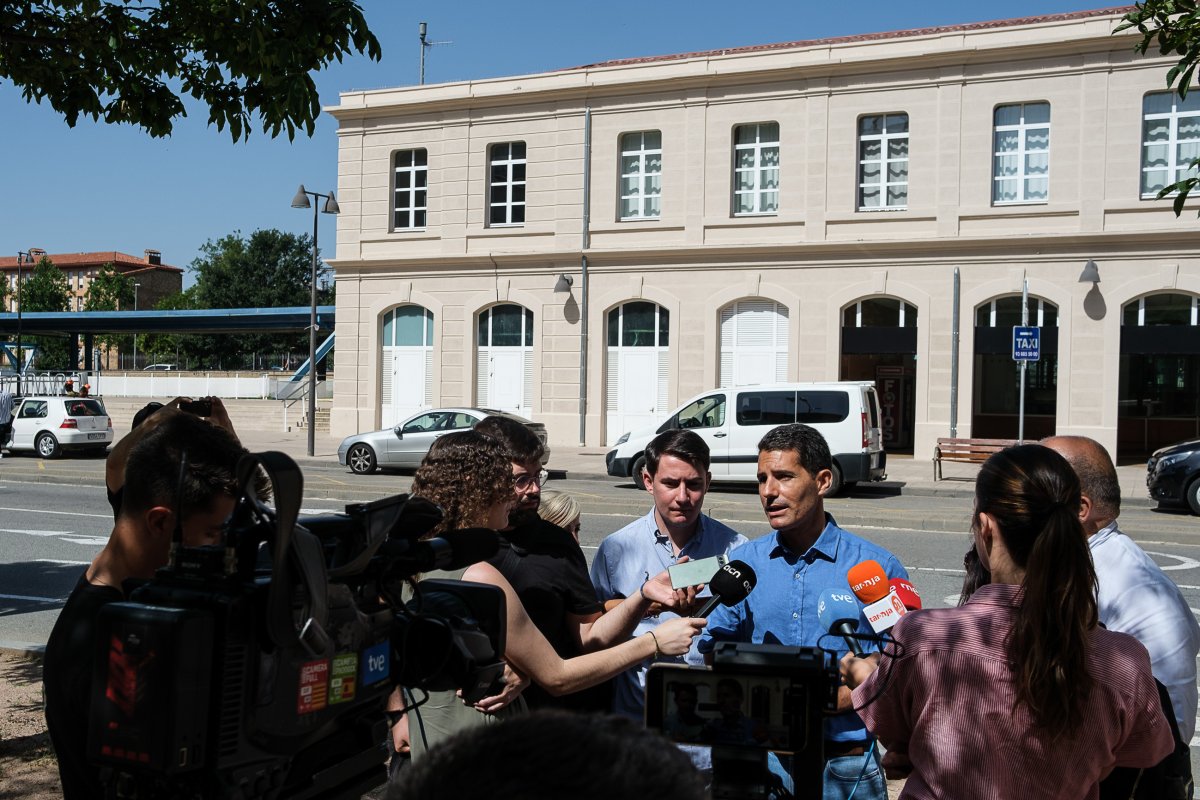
754,343
405,383
506,379
637,390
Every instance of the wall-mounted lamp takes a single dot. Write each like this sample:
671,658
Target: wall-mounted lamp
564,283
1090,274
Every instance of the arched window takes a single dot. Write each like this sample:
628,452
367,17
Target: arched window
996,391
879,343
754,343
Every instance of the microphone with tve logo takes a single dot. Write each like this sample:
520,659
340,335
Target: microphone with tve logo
729,586
839,614
882,605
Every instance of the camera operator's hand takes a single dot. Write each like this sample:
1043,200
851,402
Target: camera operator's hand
514,683
674,637
400,740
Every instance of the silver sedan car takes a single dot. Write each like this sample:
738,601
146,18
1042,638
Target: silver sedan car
407,443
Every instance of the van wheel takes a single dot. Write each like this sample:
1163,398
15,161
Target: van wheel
835,486
639,464
47,446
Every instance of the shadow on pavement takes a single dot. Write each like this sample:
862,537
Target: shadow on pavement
36,586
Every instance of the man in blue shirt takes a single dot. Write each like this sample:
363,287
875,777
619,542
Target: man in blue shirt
806,554
677,477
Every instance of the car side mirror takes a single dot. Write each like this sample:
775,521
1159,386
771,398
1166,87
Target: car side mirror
399,433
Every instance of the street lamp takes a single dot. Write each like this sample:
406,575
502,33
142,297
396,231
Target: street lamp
136,285
331,207
22,256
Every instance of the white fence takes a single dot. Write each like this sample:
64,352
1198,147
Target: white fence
230,385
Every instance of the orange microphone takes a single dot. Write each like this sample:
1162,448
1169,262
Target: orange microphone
868,581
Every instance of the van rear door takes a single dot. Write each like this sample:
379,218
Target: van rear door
874,431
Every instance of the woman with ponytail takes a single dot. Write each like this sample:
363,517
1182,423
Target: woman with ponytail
1018,693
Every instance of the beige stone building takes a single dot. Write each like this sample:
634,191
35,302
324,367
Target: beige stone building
787,212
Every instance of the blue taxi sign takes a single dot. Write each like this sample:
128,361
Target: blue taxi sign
1027,344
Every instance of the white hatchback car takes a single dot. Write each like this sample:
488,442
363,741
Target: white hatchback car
50,425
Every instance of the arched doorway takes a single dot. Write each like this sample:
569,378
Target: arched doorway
996,390
754,343
636,370
1158,401
504,370
406,363
879,343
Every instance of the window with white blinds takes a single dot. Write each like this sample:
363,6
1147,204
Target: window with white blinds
754,343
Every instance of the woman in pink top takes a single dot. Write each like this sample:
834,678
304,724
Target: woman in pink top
1018,693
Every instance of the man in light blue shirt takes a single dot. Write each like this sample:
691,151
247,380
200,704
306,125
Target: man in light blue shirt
805,554
677,477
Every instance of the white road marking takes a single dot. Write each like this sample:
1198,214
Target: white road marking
90,540
28,598
1184,561
33,532
61,563
57,513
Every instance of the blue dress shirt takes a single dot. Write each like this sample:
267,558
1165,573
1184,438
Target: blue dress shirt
782,609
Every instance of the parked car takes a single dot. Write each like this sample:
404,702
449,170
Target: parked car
407,443
732,421
1173,475
160,368
51,425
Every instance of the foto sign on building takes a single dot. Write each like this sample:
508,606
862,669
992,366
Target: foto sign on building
1027,344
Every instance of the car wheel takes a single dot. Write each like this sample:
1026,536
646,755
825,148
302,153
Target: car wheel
835,485
361,459
1193,495
47,446
639,464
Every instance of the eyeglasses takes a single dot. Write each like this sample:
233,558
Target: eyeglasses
523,482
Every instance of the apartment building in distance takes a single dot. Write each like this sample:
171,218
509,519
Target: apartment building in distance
648,229
154,279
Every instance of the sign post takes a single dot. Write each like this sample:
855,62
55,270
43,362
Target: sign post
1027,346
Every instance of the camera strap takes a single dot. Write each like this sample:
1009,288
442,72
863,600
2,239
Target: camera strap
296,557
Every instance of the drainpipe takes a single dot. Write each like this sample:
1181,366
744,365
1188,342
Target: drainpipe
583,280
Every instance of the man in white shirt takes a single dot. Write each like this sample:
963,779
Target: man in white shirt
1135,596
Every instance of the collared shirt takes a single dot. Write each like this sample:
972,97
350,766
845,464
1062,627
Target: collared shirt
1136,597
782,609
947,700
627,559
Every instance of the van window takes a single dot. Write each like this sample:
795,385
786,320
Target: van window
823,407
766,408
870,397
707,412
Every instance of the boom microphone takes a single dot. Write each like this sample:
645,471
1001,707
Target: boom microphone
729,586
452,550
907,593
839,615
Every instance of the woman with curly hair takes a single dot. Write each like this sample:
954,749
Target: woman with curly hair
1018,693
469,476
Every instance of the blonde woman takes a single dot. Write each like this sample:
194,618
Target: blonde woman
560,509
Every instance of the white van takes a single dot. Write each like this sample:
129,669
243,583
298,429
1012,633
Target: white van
732,421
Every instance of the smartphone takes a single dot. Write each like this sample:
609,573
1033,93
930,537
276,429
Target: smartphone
691,573
201,407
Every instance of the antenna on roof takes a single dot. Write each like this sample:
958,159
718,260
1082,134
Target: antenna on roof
423,29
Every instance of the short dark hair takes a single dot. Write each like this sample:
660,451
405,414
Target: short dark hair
684,445
152,468
561,754
806,442
518,442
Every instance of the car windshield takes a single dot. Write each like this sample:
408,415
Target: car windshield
84,408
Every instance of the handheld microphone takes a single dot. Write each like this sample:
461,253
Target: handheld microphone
729,586
907,593
882,607
839,614
868,581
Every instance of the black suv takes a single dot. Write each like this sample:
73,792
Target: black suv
1173,475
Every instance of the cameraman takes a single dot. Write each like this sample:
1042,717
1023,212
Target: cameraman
155,490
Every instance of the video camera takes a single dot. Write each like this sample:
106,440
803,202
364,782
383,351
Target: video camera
259,667
757,698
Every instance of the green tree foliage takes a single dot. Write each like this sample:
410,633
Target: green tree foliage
175,348
129,62
110,291
1173,27
46,290
270,269
5,292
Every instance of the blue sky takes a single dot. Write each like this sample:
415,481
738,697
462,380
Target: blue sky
101,187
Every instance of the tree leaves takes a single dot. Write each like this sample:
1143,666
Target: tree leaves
116,61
